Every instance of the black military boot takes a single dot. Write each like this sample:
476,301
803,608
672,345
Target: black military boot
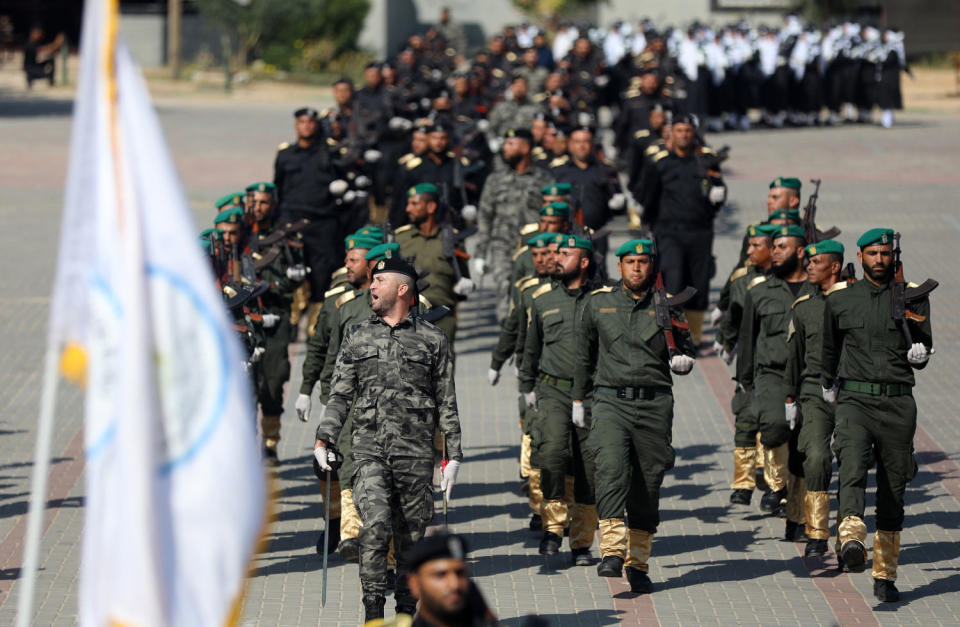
349,550
741,497
854,556
373,606
404,608
761,481
610,566
391,580
639,581
536,523
333,540
884,590
581,557
815,548
550,544
795,532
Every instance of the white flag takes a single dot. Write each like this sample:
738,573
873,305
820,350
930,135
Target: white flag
175,486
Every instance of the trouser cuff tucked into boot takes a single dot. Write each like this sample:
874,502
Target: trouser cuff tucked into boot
744,466
536,496
816,507
350,522
851,528
795,502
613,538
583,525
886,554
554,515
639,544
775,467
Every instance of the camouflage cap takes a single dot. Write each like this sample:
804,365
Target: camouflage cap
824,247
383,251
556,208
261,187
557,189
635,247
786,181
875,236
423,188
789,230
362,242
231,200
575,241
233,215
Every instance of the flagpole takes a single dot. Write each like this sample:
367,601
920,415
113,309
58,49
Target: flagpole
38,488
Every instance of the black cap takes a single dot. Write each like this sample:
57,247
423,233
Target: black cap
436,547
344,80
686,118
521,133
306,111
395,265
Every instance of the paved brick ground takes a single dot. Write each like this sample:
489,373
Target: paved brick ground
711,564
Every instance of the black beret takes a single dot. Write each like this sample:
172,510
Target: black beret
395,265
436,547
306,111
520,133
344,80
686,118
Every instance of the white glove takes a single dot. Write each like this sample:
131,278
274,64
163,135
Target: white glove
256,354
464,286
602,80
530,398
717,194
722,353
715,316
918,354
495,144
578,417
303,407
400,124
617,201
324,456
493,376
350,196
829,395
681,364
270,320
372,156
584,118
479,266
469,212
296,273
448,477
425,102
483,125
362,181
338,186
790,410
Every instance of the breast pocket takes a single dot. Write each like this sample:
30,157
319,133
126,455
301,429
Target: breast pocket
553,329
417,368
366,362
774,319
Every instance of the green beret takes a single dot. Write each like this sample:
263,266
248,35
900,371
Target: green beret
360,241
423,188
575,241
785,181
370,231
383,251
541,240
875,236
791,230
557,189
762,230
211,233
233,215
785,214
824,246
260,187
556,208
636,247
231,200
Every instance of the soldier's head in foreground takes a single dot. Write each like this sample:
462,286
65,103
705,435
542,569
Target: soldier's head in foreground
683,133
555,217
556,192
573,259
422,203
824,262
357,247
581,143
876,255
636,265
784,193
230,223
541,253
439,139
760,245
393,288
306,122
516,147
788,246
262,200
438,578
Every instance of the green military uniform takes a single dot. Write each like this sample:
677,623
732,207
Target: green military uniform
548,365
622,356
876,416
804,339
398,383
761,366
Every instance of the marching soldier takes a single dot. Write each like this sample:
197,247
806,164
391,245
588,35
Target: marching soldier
554,218
805,406
546,381
762,363
515,112
874,356
396,370
623,355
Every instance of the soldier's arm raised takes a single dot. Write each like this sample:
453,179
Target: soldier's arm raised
445,397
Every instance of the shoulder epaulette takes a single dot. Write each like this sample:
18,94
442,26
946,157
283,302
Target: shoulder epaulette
451,154
519,252
559,161
756,281
335,290
414,163
338,272
839,285
608,162
644,132
660,155
541,97
739,273
603,290
403,229
283,146
522,280
331,141
652,150
800,300
706,151
426,303
405,158
464,161
530,227
346,298
530,283
543,289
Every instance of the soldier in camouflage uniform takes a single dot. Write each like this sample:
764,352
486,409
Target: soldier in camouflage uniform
805,405
546,381
510,199
396,370
517,112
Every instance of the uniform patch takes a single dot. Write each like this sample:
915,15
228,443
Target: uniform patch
840,285
550,313
756,281
346,298
739,273
798,301
543,289
607,310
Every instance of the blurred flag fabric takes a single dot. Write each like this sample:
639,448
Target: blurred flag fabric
175,487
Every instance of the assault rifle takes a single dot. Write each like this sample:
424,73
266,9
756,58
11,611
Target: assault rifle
903,295
812,235
662,303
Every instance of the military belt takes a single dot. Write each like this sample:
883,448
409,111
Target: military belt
812,388
561,384
877,389
646,393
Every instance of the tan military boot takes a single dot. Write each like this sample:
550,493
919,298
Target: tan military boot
852,537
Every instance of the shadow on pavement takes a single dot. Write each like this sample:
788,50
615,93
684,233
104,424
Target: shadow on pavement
587,617
732,541
23,105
